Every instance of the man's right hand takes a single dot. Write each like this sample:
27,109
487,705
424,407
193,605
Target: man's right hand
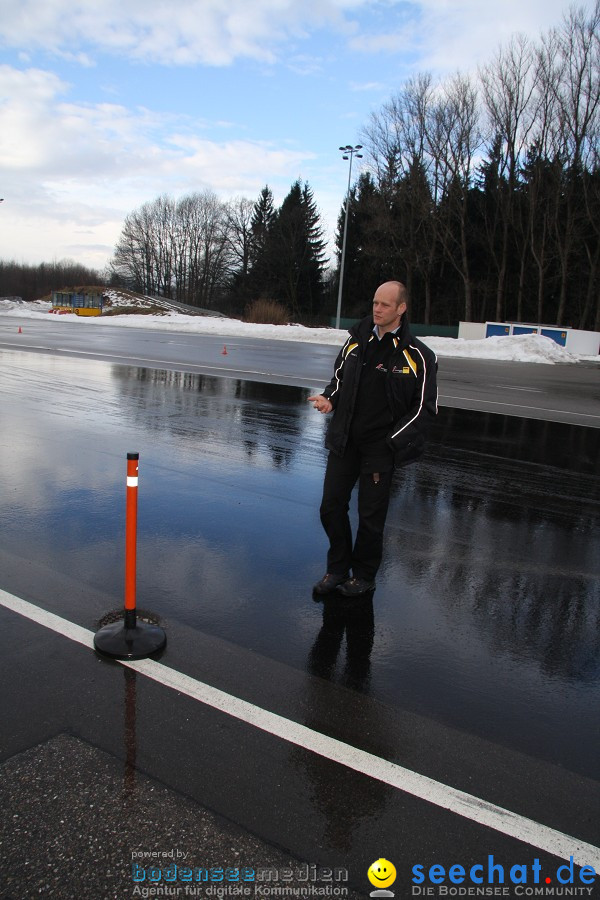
321,403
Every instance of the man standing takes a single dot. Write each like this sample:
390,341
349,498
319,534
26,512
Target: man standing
382,394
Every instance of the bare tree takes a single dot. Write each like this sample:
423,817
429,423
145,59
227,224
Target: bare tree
541,173
204,257
418,173
163,217
454,137
177,249
397,149
240,212
133,257
574,52
508,83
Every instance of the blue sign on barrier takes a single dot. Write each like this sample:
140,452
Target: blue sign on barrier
524,329
494,329
557,334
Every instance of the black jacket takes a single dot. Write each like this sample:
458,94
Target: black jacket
410,384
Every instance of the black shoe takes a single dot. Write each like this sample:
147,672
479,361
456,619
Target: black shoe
328,583
354,587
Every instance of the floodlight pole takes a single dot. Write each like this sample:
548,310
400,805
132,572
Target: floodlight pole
349,153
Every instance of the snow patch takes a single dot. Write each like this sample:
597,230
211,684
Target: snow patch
518,348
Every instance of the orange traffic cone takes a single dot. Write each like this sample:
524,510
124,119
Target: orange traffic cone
224,351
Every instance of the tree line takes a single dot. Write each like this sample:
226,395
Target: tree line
31,282
484,193
480,192
209,253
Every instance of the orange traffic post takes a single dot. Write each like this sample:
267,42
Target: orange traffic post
130,639
131,538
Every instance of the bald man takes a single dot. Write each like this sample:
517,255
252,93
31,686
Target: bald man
382,394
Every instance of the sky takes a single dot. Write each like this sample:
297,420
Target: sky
107,104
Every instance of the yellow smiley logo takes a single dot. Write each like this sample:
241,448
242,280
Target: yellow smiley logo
382,873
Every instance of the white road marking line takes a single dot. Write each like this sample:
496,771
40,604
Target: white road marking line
511,387
107,356
234,372
47,619
470,807
520,406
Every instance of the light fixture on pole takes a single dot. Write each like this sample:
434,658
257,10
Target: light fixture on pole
349,153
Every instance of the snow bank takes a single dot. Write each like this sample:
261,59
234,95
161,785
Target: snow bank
521,348
534,348
26,310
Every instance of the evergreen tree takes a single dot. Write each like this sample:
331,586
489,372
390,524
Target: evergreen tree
366,259
295,252
261,224
258,282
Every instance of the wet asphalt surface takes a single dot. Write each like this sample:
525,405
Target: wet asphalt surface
477,660
557,393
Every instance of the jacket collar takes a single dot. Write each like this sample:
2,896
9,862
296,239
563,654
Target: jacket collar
364,329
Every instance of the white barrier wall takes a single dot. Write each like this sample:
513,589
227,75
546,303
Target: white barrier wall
580,343
471,331
584,343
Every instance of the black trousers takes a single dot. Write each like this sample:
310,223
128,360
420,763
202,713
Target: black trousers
372,466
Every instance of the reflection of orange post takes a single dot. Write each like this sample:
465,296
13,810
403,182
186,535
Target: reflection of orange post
131,538
130,639
130,738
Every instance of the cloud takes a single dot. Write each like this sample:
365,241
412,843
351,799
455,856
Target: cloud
394,30
218,32
305,65
368,86
74,170
42,133
466,33
213,32
443,37
231,167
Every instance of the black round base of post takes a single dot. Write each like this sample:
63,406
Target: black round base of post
138,642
